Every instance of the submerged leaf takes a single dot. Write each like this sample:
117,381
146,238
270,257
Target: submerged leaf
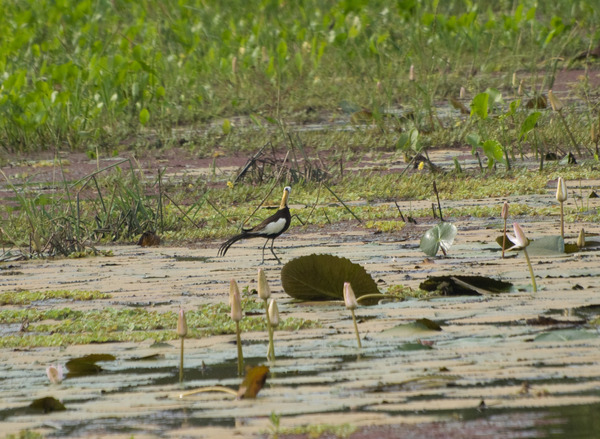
466,285
254,381
441,235
86,365
421,326
322,277
566,335
414,347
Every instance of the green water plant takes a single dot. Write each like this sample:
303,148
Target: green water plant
441,236
352,304
521,242
26,297
235,302
481,105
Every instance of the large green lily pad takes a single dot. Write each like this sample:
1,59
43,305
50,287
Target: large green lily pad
322,277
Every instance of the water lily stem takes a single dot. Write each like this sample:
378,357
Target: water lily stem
562,220
504,239
356,329
239,349
533,285
378,296
209,389
271,348
181,362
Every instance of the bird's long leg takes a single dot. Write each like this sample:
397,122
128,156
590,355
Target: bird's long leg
263,259
272,251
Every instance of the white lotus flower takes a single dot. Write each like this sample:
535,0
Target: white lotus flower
519,239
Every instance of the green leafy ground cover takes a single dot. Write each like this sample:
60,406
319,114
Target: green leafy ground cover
87,74
225,78
66,326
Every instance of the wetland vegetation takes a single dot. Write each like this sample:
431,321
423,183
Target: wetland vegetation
182,117
325,87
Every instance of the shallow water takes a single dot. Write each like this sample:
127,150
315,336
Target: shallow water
486,350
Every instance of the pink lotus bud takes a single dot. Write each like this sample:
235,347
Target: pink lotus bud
505,211
561,190
182,328
264,291
349,297
274,313
235,301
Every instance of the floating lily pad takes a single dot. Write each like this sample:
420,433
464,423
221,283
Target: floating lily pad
545,246
151,357
440,236
414,347
551,321
47,404
418,327
461,285
566,335
86,365
322,277
571,248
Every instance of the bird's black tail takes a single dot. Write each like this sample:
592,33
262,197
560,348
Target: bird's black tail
225,246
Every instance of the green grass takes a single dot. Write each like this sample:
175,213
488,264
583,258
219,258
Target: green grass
87,74
27,297
65,326
120,205
103,76
25,434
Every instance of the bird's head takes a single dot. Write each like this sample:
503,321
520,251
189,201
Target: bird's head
284,199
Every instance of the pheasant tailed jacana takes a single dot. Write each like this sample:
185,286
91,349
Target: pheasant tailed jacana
270,228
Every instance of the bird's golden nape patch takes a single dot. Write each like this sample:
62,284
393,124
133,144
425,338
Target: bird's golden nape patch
284,198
